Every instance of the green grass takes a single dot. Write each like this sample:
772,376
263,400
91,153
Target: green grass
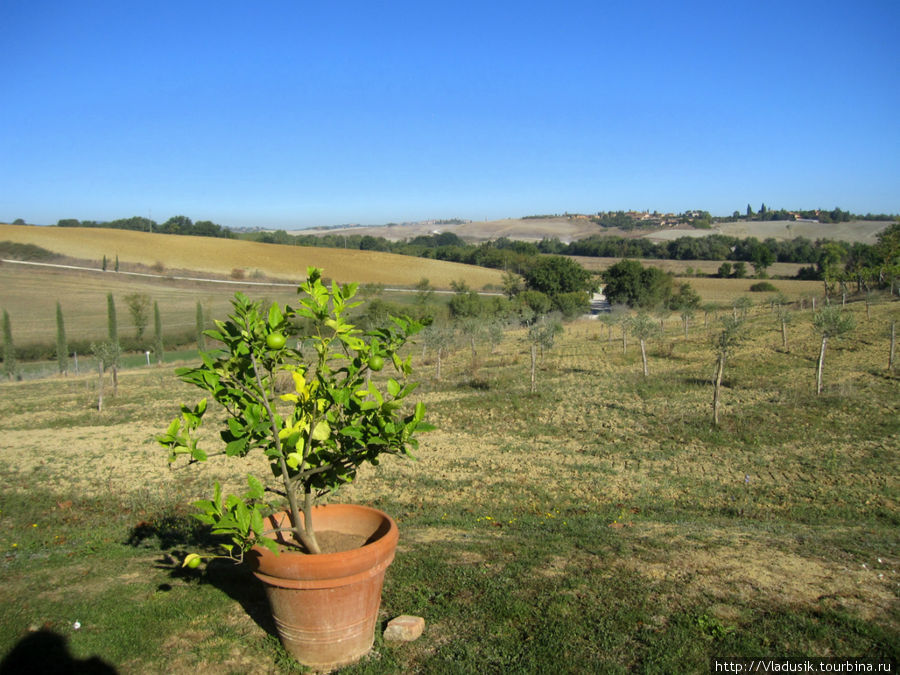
601,524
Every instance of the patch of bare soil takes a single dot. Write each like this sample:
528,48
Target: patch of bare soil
332,541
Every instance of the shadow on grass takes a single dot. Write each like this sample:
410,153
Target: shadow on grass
47,652
176,535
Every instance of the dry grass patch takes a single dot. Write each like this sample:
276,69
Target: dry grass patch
739,568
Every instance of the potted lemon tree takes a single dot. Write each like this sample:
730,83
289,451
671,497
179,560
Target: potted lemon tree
306,400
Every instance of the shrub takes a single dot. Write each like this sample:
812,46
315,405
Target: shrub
16,251
763,287
571,305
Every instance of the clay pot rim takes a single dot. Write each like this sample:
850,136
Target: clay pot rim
297,568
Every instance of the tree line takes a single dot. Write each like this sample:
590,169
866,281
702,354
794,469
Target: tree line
821,256
835,215
174,225
517,256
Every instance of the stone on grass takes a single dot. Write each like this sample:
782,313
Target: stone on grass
404,628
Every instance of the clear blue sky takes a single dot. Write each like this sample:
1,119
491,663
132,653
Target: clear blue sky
290,114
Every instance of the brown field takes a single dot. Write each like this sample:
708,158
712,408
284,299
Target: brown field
725,291
221,256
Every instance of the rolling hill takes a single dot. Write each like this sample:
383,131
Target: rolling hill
252,259
572,228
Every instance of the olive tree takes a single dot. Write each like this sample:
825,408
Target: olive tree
541,334
107,355
724,344
440,336
829,322
644,328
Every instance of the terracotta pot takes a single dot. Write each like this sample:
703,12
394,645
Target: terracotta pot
325,606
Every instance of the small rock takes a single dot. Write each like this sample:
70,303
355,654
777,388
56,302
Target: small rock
404,628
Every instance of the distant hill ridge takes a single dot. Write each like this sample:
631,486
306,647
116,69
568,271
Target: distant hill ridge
576,227
246,259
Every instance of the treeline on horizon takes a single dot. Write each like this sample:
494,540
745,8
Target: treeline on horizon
174,225
517,256
631,220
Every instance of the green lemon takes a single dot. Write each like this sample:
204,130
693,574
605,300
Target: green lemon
376,362
192,560
275,340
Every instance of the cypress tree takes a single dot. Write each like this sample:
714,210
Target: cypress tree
114,349
157,330
111,318
201,338
9,351
62,346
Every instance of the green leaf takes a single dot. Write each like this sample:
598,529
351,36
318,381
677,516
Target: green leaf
242,513
352,431
257,490
268,543
321,431
206,506
275,316
393,387
256,522
236,447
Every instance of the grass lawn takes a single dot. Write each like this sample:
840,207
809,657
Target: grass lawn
599,525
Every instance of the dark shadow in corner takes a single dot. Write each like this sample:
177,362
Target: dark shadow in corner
176,535
47,653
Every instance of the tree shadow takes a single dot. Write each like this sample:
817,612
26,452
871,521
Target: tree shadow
176,535
47,653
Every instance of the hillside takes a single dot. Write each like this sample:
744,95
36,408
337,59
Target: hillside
523,229
857,231
223,256
571,228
